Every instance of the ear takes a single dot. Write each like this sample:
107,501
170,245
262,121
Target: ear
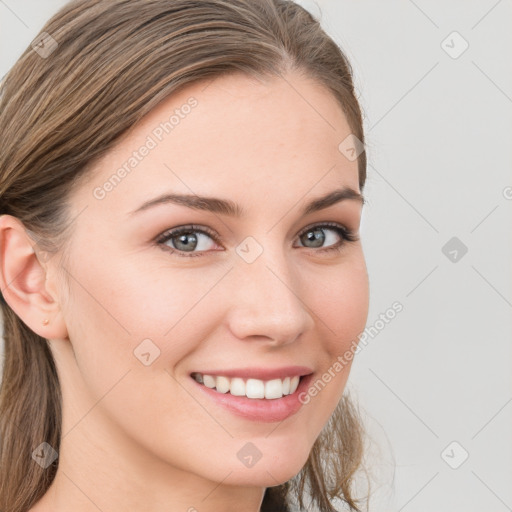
23,281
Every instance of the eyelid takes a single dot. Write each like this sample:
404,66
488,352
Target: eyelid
187,228
325,224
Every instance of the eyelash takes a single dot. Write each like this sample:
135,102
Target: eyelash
345,234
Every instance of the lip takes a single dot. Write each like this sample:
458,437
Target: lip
259,372
259,409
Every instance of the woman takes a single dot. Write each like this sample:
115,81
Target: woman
182,275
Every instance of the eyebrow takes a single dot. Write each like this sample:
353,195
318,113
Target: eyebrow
228,207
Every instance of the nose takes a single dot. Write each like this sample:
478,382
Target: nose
267,302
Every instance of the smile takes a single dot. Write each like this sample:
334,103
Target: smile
260,400
250,388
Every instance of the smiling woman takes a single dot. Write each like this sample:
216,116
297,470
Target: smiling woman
175,279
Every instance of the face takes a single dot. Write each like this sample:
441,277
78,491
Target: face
255,285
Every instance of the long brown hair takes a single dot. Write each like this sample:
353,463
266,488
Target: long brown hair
102,66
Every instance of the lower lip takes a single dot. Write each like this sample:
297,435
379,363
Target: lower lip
260,409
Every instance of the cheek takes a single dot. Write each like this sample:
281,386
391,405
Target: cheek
133,301
341,304
128,332
130,327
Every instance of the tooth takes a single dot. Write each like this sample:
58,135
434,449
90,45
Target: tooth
222,384
274,388
255,388
294,382
237,387
286,386
209,381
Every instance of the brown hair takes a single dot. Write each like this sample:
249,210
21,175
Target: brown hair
65,104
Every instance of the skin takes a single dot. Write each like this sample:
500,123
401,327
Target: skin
139,437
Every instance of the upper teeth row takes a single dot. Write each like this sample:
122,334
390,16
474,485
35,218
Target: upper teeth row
251,388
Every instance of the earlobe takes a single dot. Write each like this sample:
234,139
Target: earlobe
23,281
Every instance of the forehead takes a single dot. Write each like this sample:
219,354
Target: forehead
231,136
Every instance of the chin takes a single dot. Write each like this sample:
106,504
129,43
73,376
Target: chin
269,471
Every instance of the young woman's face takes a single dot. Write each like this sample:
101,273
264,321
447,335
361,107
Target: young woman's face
251,284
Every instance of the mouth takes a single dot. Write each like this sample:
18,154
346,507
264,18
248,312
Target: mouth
259,400
250,388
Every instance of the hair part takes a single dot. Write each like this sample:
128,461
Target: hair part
115,61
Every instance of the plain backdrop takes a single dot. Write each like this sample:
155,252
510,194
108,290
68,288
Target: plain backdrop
434,383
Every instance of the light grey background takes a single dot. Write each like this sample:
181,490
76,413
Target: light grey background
439,134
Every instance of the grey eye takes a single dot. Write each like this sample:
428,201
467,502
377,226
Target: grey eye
190,241
316,237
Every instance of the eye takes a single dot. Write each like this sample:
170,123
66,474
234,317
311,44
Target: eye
188,239
316,236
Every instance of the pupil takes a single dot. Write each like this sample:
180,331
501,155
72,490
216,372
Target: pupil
187,245
316,236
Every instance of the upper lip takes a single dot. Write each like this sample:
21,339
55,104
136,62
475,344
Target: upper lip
260,373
